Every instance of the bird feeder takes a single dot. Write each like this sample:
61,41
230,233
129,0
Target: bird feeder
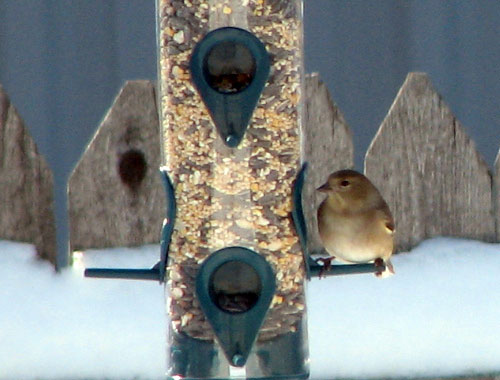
230,90
233,243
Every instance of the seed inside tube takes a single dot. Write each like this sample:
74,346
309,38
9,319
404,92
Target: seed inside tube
179,37
238,198
176,293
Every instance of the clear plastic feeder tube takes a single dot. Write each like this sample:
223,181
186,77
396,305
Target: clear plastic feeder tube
233,196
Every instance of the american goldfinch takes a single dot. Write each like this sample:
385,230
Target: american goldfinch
354,221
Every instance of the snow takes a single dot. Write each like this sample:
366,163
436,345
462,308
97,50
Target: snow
67,326
438,316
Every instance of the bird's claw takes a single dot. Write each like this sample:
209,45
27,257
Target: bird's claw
327,264
384,268
379,264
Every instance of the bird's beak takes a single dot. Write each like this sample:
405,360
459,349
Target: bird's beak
324,188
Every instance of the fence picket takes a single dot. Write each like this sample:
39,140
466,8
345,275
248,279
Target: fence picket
115,192
26,186
429,170
328,147
496,195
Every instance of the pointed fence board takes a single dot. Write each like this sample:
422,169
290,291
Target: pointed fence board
327,148
429,170
26,186
496,195
115,192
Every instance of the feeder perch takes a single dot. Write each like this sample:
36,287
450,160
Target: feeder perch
157,272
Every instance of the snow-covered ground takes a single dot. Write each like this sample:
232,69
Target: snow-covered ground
439,315
70,327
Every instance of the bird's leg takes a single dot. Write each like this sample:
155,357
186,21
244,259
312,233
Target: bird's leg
379,264
327,264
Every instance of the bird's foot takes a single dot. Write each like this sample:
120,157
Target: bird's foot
384,268
327,264
379,264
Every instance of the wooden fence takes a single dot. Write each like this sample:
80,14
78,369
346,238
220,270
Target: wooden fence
115,191
421,159
26,186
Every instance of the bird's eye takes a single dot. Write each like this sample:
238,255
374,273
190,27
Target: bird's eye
344,183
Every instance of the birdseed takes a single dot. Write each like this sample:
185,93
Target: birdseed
232,196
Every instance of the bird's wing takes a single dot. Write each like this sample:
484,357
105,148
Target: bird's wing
387,218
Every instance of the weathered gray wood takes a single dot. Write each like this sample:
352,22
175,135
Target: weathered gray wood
496,195
327,145
429,170
26,186
115,192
